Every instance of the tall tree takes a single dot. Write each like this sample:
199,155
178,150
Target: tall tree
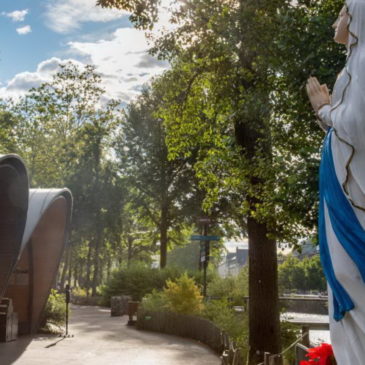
63,131
163,188
231,41
235,91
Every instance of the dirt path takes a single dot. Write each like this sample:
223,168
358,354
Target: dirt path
103,340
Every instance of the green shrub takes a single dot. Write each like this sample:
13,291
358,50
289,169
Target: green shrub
79,292
136,281
234,288
183,295
222,314
154,302
289,334
55,310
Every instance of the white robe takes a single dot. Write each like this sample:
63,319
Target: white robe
348,334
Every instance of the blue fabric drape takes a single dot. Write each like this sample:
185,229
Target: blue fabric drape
346,227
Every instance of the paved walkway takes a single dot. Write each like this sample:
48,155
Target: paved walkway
103,340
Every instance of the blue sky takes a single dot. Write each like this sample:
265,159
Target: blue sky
36,35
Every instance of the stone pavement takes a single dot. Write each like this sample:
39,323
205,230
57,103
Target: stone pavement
103,340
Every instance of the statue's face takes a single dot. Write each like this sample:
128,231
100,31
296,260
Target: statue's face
341,27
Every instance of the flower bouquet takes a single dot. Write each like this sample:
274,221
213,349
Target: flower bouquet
321,355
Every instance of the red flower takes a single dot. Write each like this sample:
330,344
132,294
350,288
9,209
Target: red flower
321,355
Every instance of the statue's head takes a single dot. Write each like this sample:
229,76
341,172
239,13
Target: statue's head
341,27
354,15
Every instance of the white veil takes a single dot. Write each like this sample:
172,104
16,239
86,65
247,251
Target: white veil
348,113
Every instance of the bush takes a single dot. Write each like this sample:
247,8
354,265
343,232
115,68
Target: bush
79,296
222,314
55,310
136,281
154,302
183,296
289,334
234,288
79,292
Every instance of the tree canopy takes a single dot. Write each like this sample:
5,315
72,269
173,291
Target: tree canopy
226,131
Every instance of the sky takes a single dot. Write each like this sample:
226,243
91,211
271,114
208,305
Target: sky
37,35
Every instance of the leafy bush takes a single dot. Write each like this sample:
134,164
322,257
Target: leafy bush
55,310
222,314
154,302
79,292
183,296
234,288
289,334
137,281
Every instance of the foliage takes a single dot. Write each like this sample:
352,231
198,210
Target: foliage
137,281
63,132
155,301
183,295
225,294
306,50
302,275
229,126
55,310
185,257
233,288
221,313
79,292
235,95
163,193
289,334
143,13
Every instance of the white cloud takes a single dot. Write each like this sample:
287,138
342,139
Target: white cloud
123,61
17,15
24,81
24,30
67,15
121,58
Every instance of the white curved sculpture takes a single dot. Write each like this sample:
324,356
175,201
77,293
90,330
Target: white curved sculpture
13,210
33,231
43,243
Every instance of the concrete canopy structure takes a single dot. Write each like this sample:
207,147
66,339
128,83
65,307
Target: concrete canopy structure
13,213
35,239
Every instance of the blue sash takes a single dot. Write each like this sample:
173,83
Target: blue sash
346,227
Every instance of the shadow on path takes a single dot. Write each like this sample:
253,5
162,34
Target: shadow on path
102,339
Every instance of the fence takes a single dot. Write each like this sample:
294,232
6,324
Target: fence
300,352
204,331
196,328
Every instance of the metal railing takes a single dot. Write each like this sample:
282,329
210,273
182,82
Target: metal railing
300,352
231,355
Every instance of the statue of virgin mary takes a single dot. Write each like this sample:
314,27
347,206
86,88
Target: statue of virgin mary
342,188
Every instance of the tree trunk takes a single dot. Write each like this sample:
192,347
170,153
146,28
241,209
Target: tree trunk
96,275
163,237
69,275
109,268
264,316
65,268
264,325
130,250
88,269
81,276
76,274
